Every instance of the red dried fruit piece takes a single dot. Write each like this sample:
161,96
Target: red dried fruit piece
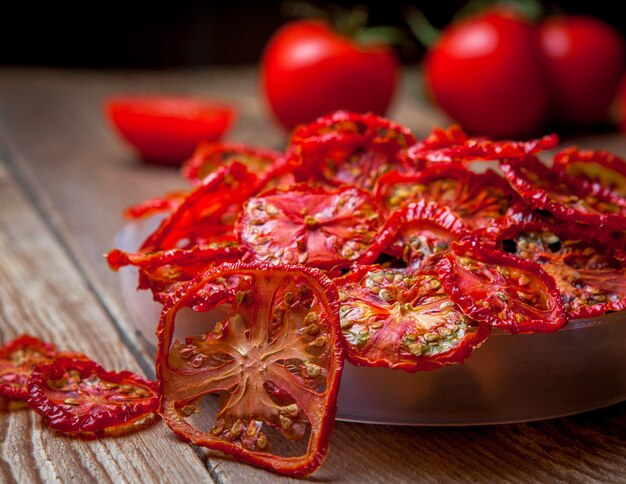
272,356
310,226
165,271
564,196
605,172
401,318
210,157
78,397
587,268
347,149
479,149
418,233
207,214
477,198
502,290
167,203
17,360
441,138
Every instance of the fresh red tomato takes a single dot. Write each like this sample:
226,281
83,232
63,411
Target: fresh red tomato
585,63
309,70
167,129
486,73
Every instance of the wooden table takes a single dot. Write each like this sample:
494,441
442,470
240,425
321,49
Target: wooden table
64,180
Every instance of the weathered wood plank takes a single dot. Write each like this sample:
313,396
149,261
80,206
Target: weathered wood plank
42,293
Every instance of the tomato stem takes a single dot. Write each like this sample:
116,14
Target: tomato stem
420,26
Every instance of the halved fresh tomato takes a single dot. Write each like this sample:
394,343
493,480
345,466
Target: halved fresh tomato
78,397
502,290
209,157
401,318
312,226
477,198
167,129
417,233
273,359
565,196
587,268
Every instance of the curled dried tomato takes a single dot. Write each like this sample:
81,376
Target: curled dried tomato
348,149
417,233
165,271
479,149
208,213
587,268
502,290
401,318
209,157
78,397
310,226
17,360
441,138
167,203
477,198
604,171
562,195
271,356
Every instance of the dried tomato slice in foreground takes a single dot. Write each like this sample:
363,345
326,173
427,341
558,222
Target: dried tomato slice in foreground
312,226
210,157
17,360
588,271
417,233
167,203
80,398
562,195
272,357
401,318
501,289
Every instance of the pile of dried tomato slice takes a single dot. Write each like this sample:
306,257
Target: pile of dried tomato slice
359,239
74,395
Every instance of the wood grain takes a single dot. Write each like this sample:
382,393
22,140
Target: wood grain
81,177
42,293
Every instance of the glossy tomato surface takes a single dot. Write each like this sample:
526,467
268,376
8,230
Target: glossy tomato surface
309,70
486,73
585,63
167,129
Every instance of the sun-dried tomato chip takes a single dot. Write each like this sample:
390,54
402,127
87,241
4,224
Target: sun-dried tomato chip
562,195
502,290
312,226
401,318
268,349
78,397
167,203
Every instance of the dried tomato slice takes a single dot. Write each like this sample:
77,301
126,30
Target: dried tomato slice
210,157
165,271
479,149
17,360
401,318
207,214
604,171
348,149
167,203
478,198
440,138
418,233
310,226
562,195
272,357
587,268
502,290
78,397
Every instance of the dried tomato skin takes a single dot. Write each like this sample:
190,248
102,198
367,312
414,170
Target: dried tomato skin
167,203
564,196
300,466
70,417
14,375
450,270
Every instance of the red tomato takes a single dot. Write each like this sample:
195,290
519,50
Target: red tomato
309,70
486,73
585,62
167,129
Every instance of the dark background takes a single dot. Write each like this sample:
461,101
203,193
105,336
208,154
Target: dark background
190,33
